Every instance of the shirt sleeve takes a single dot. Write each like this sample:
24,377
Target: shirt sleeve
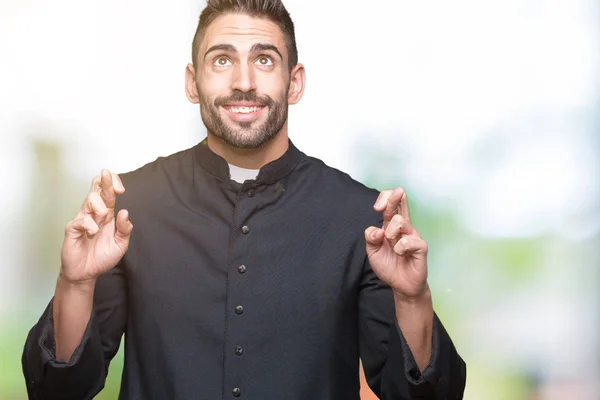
84,375
389,366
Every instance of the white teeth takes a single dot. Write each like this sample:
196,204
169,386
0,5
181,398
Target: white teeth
244,110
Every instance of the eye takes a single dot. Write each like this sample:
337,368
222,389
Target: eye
264,61
222,62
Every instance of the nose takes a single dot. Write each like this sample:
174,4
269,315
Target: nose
243,79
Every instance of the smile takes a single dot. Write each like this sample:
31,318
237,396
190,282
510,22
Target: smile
243,113
243,110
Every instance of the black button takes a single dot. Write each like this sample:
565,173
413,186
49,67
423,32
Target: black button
245,230
242,269
239,351
239,310
237,392
251,193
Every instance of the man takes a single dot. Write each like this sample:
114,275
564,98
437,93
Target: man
253,271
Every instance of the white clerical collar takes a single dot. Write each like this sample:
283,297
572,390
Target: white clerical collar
242,174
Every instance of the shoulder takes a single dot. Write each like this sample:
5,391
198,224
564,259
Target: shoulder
335,181
152,179
337,189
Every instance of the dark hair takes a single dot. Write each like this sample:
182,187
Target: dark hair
274,10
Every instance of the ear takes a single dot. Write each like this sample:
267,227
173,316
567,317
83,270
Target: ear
297,84
191,90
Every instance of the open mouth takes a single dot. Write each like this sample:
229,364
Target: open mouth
244,113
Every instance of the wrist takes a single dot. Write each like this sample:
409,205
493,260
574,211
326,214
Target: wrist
63,283
423,297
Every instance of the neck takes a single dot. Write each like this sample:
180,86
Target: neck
251,158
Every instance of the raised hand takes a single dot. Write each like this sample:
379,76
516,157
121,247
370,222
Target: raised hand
396,251
95,241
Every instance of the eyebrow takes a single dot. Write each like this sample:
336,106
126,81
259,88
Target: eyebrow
255,47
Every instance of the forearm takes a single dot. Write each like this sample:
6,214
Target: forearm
72,309
415,319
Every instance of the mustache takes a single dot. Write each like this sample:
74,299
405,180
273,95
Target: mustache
244,96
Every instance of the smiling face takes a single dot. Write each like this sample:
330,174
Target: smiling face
242,80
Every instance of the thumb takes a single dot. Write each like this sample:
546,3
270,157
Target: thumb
124,228
374,237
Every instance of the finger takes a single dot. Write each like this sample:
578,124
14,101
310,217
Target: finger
110,186
95,186
391,207
397,227
118,184
374,235
106,189
403,208
382,200
123,231
410,245
374,238
80,226
94,207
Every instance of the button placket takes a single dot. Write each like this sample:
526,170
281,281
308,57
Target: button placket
238,350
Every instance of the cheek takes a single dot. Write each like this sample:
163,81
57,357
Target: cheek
271,85
214,85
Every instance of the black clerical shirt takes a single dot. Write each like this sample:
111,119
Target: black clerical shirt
255,291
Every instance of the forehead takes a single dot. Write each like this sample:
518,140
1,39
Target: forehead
242,31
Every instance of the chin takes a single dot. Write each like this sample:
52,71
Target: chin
246,141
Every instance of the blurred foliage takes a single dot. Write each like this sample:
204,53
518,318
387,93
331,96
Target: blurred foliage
113,381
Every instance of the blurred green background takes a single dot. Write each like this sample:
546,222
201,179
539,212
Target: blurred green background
488,113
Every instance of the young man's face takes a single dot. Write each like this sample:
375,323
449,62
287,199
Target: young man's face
242,80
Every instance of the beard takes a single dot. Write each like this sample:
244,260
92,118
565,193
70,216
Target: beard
244,134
